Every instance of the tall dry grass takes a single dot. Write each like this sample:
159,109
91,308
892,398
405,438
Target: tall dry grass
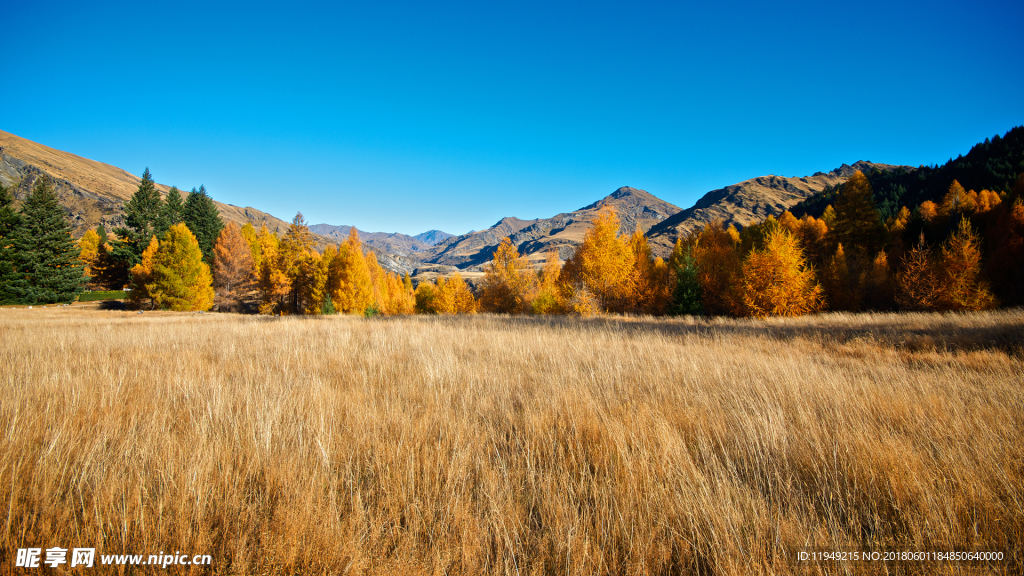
491,445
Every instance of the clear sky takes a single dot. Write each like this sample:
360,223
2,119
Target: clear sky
407,116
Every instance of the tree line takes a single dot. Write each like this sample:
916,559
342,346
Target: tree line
963,253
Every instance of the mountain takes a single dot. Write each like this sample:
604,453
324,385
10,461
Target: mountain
92,192
393,243
637,209
433,237
751,201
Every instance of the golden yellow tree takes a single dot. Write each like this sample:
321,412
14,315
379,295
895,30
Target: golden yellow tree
141,277
600,266
348,281
426,298
89,251
453,296
508,281
777,280
959,269
274,284
181,280
647,285
546,300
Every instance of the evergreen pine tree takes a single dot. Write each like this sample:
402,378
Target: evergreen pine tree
102,233
143,219
45,256
174,209
203,219
9,222
686,296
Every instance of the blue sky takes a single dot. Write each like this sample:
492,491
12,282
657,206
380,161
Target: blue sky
407,116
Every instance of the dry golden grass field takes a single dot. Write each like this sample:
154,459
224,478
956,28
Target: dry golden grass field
530,445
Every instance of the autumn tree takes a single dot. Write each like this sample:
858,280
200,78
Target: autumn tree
272,282
181,280
349,282
88,254
508,281
917,284
426,298
601,265
293,260
546,300
232,268
715,254
453,296
141,277
857,222
777,280
959,269
646,289
841,285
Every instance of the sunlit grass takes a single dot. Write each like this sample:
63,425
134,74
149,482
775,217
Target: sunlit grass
482,445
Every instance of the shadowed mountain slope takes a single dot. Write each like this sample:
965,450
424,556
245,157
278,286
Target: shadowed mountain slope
750,201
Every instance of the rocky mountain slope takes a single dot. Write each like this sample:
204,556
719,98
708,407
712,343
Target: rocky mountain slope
750,201
637,209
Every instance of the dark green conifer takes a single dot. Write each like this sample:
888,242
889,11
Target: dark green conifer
174,209
143,218
46,259
9,221
203,219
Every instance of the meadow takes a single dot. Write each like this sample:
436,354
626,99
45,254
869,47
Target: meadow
513,445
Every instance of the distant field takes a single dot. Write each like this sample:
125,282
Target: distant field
109,295
491,445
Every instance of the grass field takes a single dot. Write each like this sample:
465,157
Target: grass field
108,295
490,445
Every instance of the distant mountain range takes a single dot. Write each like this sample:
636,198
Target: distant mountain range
93,193
393,243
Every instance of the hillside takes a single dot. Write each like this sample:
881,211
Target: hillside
637,209
751,201
994,164
92,192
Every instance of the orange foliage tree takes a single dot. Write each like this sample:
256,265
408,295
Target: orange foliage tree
718,269
508,281
777,280
232,267
141,277
959,269
917,284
